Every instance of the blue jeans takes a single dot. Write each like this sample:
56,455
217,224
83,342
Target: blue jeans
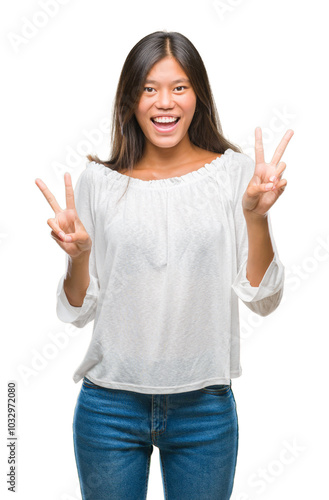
196,432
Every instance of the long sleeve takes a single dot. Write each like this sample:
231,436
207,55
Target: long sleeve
266,297
84,196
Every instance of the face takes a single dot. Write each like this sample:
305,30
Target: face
166,93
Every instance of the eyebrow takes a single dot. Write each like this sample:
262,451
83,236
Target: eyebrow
175,81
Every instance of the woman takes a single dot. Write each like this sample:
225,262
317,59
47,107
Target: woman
159,268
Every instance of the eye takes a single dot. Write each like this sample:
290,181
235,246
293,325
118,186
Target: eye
179,87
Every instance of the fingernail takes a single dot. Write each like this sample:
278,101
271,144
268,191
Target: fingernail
269,185
61,234
273,178
68,238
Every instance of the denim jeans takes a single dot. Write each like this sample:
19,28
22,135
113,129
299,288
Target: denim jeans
196,432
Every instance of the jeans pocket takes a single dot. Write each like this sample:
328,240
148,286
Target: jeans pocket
216,389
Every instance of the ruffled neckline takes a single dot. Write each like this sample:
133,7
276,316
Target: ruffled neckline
201,172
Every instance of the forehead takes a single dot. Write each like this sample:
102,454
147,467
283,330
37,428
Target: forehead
166,70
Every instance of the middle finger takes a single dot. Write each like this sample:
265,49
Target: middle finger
69,192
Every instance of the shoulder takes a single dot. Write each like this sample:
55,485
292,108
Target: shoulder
93,173
234,164
238,165
92,167
239,160
235,171
89,176
100,172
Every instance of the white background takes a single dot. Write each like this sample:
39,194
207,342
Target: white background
267,65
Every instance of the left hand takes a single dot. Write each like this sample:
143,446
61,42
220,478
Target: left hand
266,185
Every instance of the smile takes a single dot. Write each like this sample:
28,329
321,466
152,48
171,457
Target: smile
165,127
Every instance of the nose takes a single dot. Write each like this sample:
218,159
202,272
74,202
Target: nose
164,99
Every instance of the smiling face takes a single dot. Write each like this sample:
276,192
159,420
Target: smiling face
166,92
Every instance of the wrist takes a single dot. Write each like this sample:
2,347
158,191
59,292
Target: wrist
84,255
254,216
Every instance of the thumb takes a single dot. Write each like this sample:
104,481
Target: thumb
256,189
81,236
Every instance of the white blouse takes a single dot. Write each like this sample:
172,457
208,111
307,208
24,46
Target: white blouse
167,265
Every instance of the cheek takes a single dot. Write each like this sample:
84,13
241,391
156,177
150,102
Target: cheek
141,109
140,117
189,105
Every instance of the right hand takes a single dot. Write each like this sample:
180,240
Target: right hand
67,229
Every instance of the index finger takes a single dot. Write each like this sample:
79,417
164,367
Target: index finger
48,195
282,147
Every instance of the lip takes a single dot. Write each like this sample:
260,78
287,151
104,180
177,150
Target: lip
162,130
165,116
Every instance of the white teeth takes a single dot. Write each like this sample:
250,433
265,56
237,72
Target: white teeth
164,119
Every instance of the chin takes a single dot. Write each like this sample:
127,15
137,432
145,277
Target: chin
169,143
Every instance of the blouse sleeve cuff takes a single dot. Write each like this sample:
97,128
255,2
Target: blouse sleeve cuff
68,313
271,283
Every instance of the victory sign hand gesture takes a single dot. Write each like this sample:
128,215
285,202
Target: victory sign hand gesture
266,185
67,229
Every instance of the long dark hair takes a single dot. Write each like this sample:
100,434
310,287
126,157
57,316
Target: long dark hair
127,137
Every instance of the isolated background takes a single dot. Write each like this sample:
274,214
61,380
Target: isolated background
267,65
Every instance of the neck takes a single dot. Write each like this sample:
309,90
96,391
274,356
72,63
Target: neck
157,158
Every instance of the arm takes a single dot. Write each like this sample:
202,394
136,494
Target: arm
78,288
260,250
260,279
77,279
